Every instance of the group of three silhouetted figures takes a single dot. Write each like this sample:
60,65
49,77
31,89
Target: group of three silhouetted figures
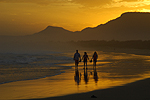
85,58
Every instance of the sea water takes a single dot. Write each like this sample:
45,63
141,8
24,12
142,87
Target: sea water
29,66
18,66
53,74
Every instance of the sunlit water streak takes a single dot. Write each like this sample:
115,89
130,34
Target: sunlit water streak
113,69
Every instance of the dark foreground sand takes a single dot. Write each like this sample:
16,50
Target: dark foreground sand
139,90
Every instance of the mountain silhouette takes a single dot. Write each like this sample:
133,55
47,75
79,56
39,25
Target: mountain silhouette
52,33
129,26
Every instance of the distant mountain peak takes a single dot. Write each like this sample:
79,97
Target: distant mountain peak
134,13
52,30
49,27
129,26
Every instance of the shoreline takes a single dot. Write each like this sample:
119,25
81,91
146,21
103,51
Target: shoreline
138,90
145,52
47,85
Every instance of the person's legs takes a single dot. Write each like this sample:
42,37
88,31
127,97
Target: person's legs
86,64
94,64
76,63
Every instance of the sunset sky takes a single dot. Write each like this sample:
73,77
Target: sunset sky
24,17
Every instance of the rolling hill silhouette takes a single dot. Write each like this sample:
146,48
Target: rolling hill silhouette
129,26
52,33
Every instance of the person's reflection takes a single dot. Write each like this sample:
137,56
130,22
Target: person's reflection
95,74
86,76
77,77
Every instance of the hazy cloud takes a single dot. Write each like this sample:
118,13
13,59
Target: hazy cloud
131,0
41,2
98,3
125,3
86,3
92,2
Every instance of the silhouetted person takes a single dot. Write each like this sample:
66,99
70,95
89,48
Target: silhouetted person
85,58
85,76
77,58
95,75
95,57
77,77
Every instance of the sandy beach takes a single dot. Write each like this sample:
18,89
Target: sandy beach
120,76
139,90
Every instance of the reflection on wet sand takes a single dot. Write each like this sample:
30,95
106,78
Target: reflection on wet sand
86,78
95,75
77,76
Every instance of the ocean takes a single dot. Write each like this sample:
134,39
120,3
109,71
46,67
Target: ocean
42,75
19,67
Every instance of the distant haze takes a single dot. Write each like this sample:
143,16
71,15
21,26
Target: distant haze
129,26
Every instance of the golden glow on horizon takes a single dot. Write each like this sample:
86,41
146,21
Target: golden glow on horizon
20,17
145,10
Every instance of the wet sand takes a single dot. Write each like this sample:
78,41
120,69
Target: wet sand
139,90
58,85
118,85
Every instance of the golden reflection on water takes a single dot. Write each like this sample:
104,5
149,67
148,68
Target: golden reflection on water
113,69
86,75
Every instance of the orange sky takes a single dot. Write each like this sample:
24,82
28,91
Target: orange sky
23,17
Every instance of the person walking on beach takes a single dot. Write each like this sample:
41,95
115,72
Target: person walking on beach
76,58
85,57
95,56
